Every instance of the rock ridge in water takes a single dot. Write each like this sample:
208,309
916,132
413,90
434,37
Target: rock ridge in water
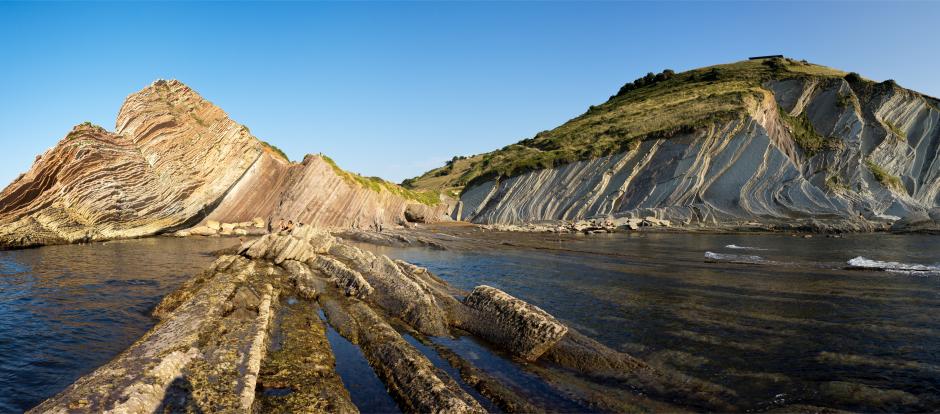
175,160
248,325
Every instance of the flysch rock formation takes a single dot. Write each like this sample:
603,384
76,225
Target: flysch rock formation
175,161
882,167
250,324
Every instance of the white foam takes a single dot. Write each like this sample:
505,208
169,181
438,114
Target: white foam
887,217
894,267
734,258
736,247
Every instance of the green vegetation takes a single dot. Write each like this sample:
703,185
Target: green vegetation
897,131
274,149
883,177
846,100
654,106
378,185
853,77
834,183
806,136
76,131
200,121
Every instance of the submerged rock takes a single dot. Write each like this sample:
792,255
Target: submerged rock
521,328
243,336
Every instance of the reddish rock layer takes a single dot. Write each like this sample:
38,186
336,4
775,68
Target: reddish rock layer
174,160
311,192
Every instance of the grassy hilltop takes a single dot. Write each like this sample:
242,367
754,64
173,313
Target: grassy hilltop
654,106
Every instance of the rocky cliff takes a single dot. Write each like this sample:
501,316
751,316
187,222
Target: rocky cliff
781,142
174,160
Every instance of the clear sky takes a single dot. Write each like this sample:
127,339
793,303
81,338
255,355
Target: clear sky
394,89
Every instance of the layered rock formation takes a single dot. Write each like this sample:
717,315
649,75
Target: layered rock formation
811,148
249,325
174,161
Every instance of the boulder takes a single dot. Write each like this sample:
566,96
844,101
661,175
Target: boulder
519,327
203,231
214,225
416,213
228,226
258,222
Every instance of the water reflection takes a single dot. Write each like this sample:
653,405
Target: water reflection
65,310
802,330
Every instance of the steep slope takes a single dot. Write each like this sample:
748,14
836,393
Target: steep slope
316,191
173,161
775,141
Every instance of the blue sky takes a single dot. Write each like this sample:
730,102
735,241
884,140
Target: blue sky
394,89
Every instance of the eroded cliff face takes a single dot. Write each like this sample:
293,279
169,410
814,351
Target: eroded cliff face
174,160
311,192
878,157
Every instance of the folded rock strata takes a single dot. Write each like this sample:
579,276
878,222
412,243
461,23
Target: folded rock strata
882,160
248,325
176,161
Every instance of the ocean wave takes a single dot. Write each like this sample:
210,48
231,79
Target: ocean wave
893,267
734,258
736,247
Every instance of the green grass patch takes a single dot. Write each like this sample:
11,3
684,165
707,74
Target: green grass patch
883,177
894,129
84,126
805,135
846,101
200,121
427,197
275,150
267,145
835,184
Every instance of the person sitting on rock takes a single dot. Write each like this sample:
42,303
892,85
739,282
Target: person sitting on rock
290,225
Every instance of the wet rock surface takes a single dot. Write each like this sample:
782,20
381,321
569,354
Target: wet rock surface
521,328
244,336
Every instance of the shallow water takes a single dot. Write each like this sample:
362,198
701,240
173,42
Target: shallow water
790,326
366,390
65,310
777,319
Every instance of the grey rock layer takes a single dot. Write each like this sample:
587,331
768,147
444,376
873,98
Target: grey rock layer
525,330
249,324
749,169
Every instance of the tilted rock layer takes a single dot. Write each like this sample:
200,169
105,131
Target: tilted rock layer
244,336
174,160
882,160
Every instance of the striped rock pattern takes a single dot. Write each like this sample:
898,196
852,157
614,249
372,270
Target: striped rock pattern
750,169
174,160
